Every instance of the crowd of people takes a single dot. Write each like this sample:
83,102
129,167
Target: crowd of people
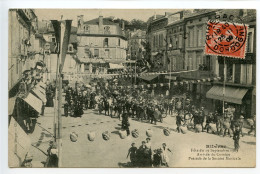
145,156
143,105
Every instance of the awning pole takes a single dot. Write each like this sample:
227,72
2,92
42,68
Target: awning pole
224,85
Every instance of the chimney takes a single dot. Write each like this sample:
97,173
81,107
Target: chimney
80,21
154,16
123,25
100,24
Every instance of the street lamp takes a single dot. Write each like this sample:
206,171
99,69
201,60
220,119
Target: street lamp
170,45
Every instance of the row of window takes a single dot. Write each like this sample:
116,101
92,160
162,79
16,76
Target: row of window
237,73
197,59
158,40
98,52
175,30
196,36
86,28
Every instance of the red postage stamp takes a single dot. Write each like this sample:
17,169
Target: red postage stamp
226,39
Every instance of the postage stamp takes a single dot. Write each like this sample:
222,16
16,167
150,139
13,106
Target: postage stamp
226,39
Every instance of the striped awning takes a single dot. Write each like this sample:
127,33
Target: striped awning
11,104
34,102
149,77
39,94
232,94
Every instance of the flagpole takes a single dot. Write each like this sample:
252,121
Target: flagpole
224,85
56,96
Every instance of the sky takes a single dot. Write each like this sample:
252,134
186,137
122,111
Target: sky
127,14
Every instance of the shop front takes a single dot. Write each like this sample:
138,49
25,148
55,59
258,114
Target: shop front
238,98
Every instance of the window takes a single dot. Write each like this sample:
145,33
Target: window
180,41
250,42
107,53
70,48
96,53
106,42
229,77
118,42
171,41
53,39
191,37
107,30
246,74
176,41
199,36
86,28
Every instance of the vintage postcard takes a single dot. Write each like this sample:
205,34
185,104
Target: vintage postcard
132,88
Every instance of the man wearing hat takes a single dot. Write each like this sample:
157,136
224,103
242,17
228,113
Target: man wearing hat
142,155
236,137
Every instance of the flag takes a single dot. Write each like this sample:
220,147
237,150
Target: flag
62,33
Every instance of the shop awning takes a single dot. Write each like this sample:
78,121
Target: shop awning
232,94
11,104
19,144
149,77
116,66
34,102
39,94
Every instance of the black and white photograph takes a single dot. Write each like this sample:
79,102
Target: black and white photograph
131,88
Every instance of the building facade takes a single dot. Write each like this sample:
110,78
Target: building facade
156,35
100,42
239,74
21,55
50,56
136,49
176,41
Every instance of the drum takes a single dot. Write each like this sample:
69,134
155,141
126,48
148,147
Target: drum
91,136
183,129
166,131
73,137
135,133
198,128
106,135
122,134
149,132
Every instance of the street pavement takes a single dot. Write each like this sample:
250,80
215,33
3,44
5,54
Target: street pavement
112,153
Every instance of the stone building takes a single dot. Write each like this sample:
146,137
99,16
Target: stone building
101,45
50,56
135,47
239,74
21,55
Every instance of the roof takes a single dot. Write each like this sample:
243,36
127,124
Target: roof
106,21
46,27
152,18
200,12
175,22
73,38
